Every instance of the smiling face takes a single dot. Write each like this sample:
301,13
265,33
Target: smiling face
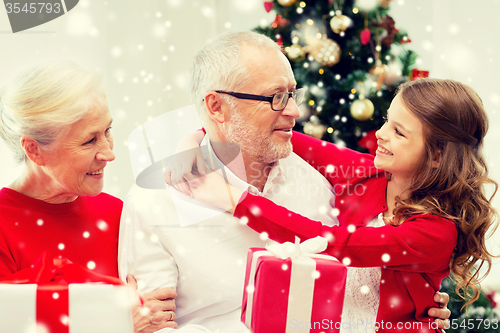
263,134
400,142
75,161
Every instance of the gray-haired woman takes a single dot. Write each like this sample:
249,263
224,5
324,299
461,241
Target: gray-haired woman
55,119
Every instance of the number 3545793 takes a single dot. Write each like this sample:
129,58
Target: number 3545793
473,324
33,8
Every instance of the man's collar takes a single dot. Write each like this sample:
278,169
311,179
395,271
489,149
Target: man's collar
275,173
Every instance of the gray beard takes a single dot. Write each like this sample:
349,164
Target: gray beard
254,143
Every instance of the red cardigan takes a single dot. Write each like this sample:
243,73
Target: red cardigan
85,231
414,256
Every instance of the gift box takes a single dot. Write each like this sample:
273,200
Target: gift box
291,288
58,296
417,74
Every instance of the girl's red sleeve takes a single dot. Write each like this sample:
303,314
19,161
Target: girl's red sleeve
422,243
338,165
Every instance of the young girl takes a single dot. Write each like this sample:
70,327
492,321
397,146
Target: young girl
427,213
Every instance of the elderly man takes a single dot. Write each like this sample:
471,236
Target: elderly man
245,93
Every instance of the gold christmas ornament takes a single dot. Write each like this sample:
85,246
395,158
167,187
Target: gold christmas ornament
362,109
379,71
287,3
314,128
340,23
325,51
295,52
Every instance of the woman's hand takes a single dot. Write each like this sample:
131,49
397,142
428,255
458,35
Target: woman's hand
154,310
187,164
214,190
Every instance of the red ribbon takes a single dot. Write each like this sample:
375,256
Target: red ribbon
53,275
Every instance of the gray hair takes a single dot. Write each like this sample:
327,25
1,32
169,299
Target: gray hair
43,100
217,66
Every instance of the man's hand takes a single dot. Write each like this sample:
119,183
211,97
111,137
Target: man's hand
442,313
154,310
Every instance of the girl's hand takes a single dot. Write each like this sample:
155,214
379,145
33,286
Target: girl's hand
442,313
187,164
214,190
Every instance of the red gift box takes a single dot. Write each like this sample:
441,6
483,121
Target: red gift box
57,296
417,74
302,293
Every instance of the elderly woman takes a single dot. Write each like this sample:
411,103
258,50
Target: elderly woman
55,119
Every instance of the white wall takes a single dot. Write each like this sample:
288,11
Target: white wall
144,48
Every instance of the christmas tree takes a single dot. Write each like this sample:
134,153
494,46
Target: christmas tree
350,57
482,316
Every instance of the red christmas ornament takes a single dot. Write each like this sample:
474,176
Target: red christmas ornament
369,141
491,297
417,74
279,21
365,36
280,41
268,5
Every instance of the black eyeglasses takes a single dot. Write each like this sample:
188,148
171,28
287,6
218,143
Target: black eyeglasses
278,101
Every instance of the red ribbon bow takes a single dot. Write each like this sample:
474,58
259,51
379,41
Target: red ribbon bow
53,275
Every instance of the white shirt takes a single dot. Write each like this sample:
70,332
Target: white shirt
205,262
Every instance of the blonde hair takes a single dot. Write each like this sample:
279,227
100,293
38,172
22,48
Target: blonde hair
43,100
454,123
